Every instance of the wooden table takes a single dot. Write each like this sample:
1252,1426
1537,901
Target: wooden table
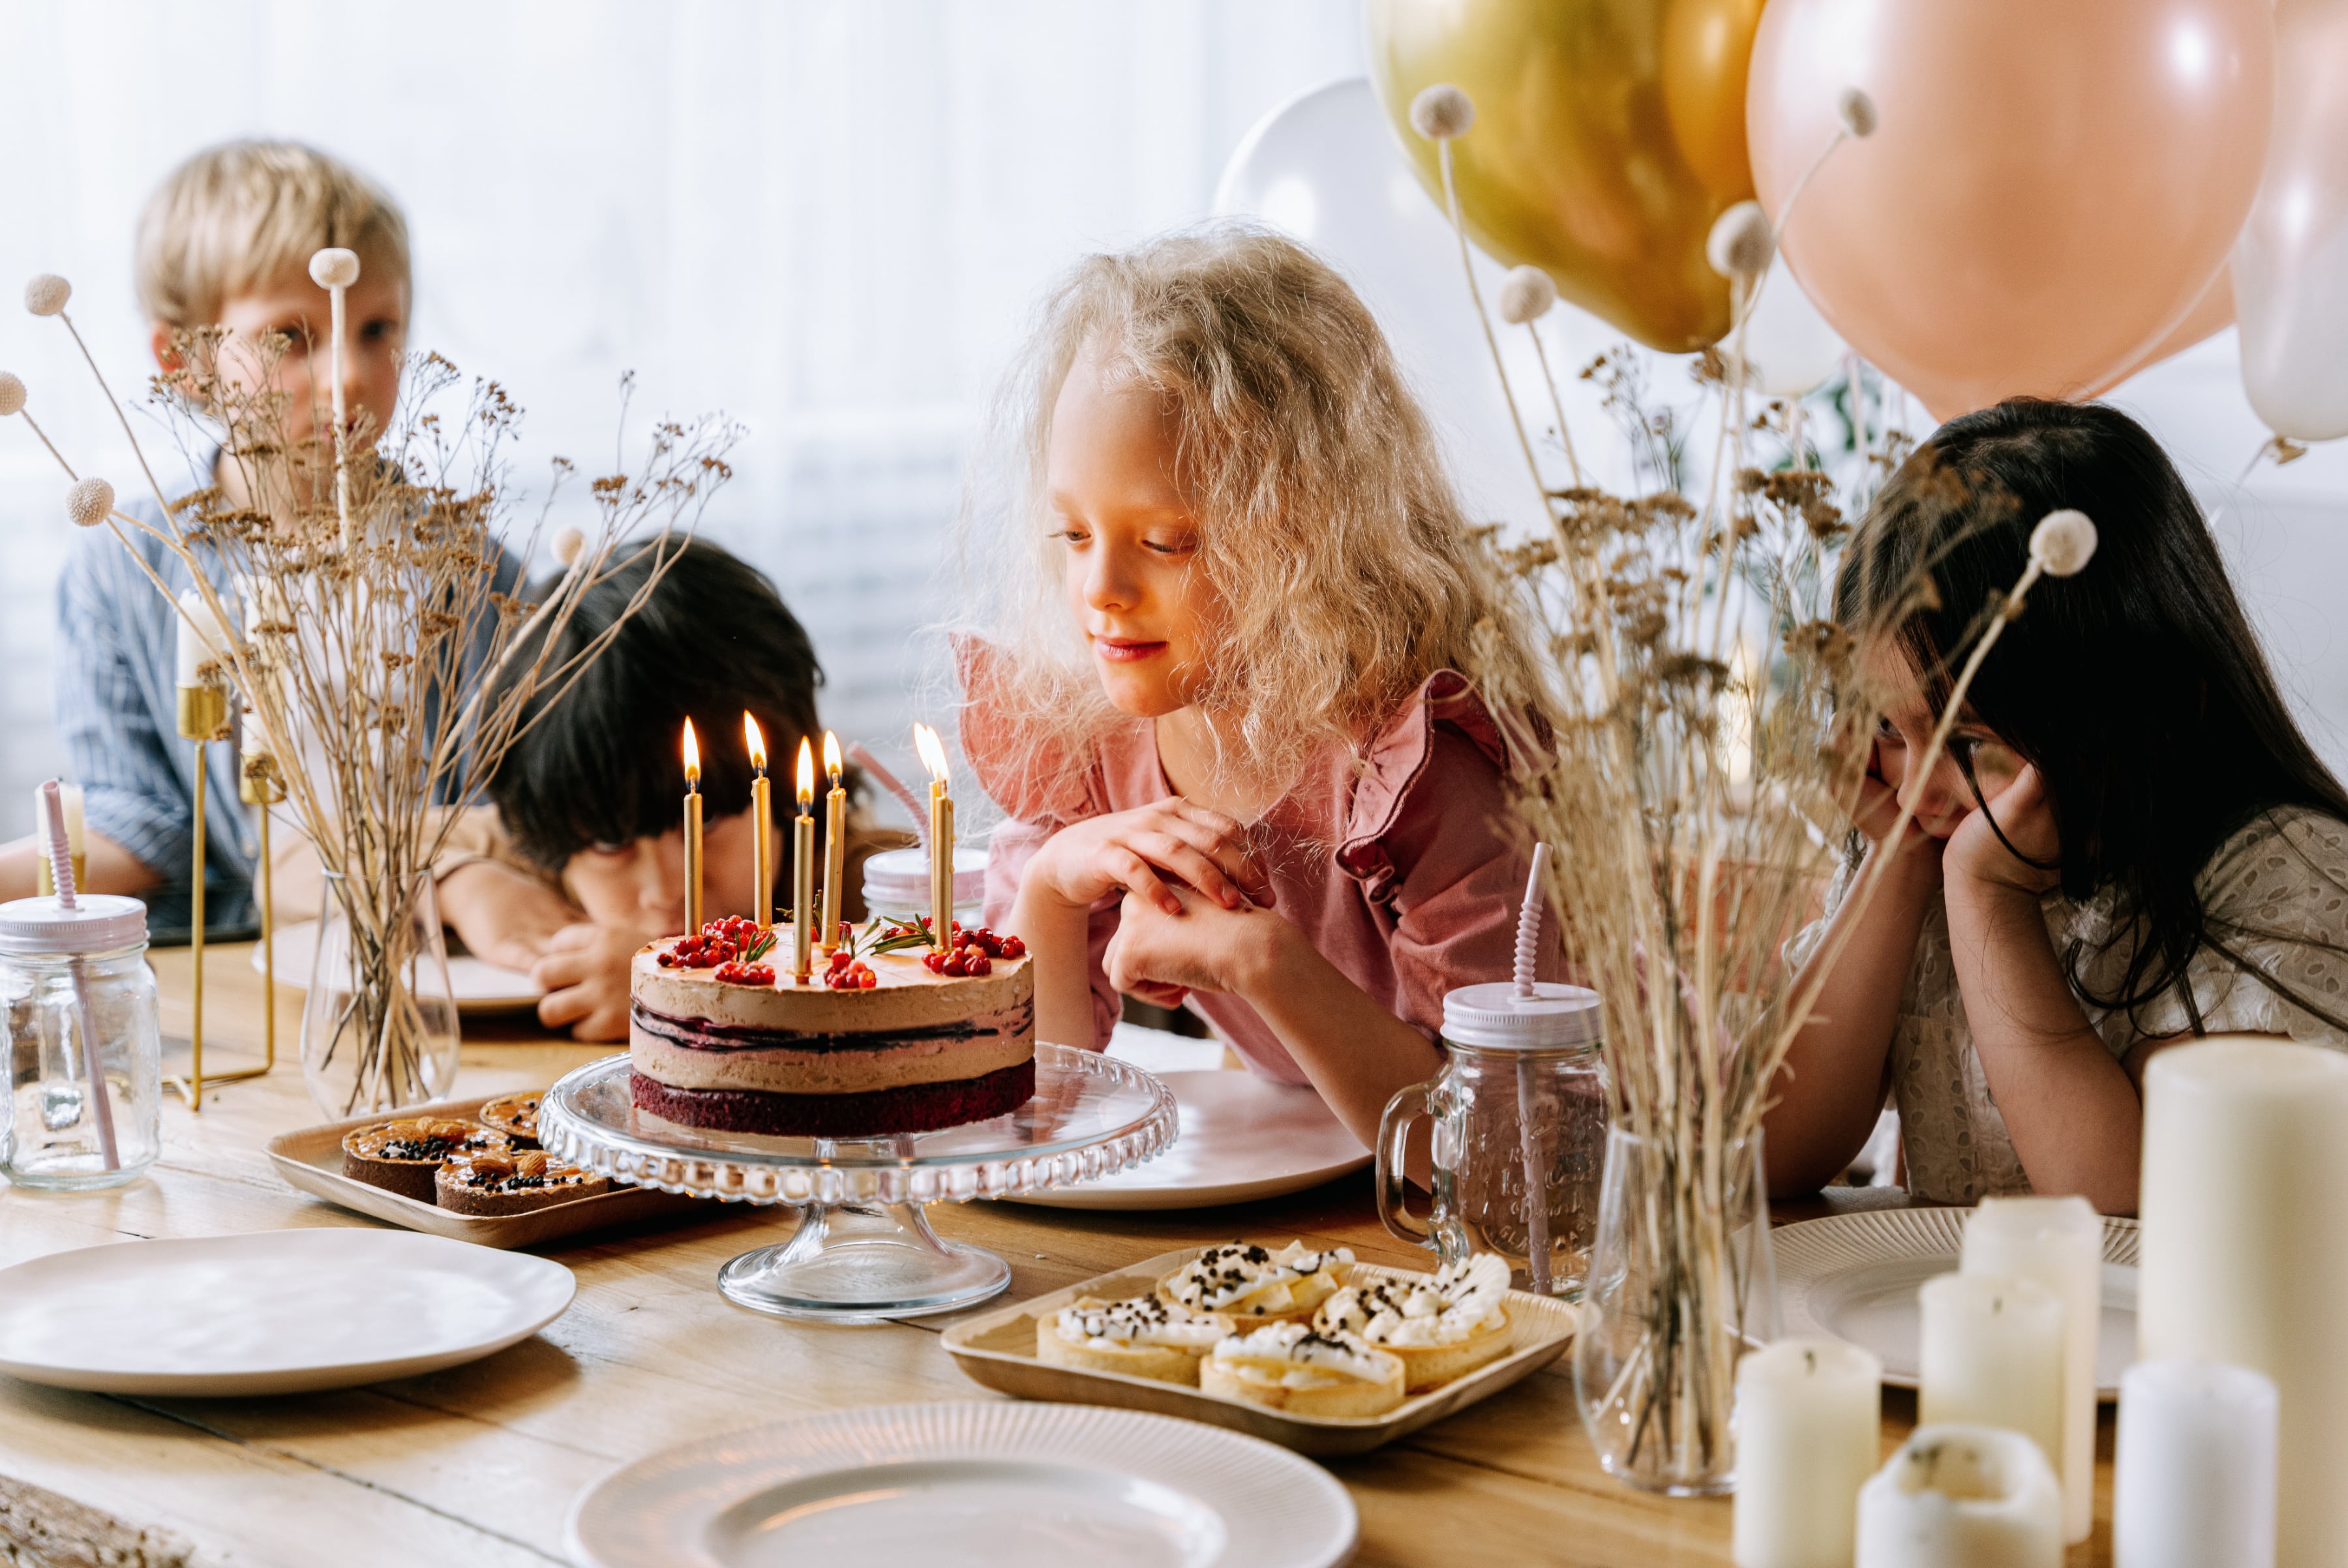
480,1464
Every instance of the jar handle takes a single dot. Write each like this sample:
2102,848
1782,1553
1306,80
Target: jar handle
1408,1105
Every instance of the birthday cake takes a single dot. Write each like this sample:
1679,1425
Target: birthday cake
885,1035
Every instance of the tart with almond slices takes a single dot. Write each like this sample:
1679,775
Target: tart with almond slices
402,1157
499,1181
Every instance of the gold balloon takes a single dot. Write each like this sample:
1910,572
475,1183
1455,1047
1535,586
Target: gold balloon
1608,135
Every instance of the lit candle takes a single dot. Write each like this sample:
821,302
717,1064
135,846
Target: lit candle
942,836
2193,1482
692,831
2059,1243
1957,1497
70,798
1809,1424
835,842
2244,1254
803,867
1992,1357
762,824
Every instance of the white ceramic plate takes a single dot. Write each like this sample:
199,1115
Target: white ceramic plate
994,1485
272,1311
480,986
1243,1138
1855,1277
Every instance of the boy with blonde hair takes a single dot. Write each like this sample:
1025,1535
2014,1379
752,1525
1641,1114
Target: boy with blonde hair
226,240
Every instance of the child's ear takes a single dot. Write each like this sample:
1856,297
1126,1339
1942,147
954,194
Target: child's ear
162,338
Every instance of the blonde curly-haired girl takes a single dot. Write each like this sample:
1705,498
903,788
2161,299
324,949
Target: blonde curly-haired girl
1221,699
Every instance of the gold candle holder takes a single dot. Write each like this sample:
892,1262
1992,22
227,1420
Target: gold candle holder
835,843
257,785
202,716
803,869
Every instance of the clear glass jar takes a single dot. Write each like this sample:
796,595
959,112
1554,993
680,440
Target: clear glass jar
84,1046
897,882
1518,1136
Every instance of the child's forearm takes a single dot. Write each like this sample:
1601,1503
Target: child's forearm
1831,1088
1355,1052
1057,938
2073,1116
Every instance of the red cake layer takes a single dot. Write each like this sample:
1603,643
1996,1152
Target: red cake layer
910,1108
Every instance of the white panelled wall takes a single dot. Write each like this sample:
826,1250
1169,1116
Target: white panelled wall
829,218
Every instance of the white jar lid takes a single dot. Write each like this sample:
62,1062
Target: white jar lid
1494,1018
897,881
98,923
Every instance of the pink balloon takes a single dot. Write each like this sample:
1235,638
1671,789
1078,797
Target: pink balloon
2053,187
2212,313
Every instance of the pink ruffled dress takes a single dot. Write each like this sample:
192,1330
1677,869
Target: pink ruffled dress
1404,868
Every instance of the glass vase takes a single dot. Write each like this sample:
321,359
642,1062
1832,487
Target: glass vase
1681,1284
379,1024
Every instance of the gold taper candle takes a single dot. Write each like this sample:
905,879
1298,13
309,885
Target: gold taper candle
762,825
803,867
835,843
692,831
933,758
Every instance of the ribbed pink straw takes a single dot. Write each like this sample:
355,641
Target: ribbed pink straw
895,785
60,853
1529,923
53,827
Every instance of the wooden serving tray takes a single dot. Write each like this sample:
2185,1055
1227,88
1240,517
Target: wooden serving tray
998,1348
312,1160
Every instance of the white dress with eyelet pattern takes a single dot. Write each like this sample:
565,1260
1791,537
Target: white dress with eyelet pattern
2284,877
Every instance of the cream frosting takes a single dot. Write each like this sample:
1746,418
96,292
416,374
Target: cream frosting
1462,1299
1222,1277
1300,1357
889,1065
906,997
1140,1320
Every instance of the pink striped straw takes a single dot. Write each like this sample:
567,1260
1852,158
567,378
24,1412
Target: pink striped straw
1529,930
60,853
1529,923
863,758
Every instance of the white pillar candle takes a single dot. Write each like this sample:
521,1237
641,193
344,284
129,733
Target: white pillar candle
2059,1243
2193,1483
199,643
1809,1424
1992,1357
2244,1258
1962,1496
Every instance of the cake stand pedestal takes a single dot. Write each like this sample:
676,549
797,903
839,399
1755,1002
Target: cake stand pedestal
864,1251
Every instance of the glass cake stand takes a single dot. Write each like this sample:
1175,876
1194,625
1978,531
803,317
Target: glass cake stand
864,1250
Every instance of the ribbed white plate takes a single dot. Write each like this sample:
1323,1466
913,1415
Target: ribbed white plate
992,1485
1243,1138
1855,1277
272,1311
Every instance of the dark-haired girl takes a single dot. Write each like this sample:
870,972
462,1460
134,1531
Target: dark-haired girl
587,862
2127,843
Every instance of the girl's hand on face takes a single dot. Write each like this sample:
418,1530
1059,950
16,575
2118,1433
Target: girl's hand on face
2024,813
1201,946
1879,808
1147,854
585,973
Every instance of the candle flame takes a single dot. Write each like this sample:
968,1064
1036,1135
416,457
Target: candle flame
932,751
692,755
806,774
831,757
751,733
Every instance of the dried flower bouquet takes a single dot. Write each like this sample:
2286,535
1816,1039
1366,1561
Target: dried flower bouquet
348,592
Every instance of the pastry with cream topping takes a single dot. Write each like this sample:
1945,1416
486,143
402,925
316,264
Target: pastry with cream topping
1439,1328
1295,1367
402,1156
507,1181
1141,1338
1255,1284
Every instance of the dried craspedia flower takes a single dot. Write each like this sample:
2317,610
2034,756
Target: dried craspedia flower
88,503
1857,112
568,543
1526,295
335,268
47,294
1740,242
2062,543
12,393
1442,112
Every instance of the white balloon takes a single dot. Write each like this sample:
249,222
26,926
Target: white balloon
1323,168
1787,343
2291,263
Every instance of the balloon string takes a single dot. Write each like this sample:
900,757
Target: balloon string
1468,266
